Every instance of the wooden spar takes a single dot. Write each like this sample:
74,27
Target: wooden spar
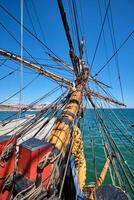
90,78
61,131
102,176
104,171
105,98
99,82
56,59
54,76
36,67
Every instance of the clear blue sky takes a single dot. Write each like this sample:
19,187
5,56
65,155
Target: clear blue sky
53,32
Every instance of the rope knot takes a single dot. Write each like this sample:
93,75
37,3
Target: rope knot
7,152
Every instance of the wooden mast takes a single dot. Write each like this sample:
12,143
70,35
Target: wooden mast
35,67
61,131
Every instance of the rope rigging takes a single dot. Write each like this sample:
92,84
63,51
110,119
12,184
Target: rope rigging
47,111
76,25
112,127
21,89
31,105
25,28
9,74
3,62
107,150
115,168
38,68
93,153
30,18
38,20
101,31
29,71
72,25
114,147
104,36
112,35
74,58
4,27
108,61
120,130
66,111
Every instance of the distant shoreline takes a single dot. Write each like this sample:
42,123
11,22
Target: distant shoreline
37,110
19,110
24,107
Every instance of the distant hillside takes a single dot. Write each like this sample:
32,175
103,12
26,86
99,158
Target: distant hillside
16,107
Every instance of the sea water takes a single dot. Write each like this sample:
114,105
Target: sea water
118,122
6,115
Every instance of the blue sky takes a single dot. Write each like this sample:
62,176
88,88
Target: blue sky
53,32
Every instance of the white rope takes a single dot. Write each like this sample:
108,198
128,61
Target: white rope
21,65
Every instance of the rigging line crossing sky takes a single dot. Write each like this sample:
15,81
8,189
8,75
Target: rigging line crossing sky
123,43
21,54
55,39
24,27
101,31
